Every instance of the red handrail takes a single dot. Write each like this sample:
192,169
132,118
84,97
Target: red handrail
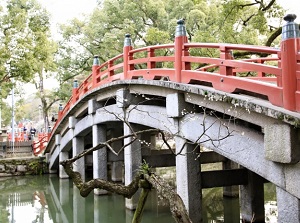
222,72
227,82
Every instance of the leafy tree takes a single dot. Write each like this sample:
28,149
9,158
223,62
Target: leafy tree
26,48
153,22
5,114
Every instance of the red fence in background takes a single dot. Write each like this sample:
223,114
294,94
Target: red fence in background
39,142
39,145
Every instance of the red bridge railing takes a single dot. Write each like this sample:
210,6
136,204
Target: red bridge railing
38,146
275,76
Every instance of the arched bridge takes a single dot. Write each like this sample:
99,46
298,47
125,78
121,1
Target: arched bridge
249,123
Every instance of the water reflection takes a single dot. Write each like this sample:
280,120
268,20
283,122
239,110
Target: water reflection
48,199
23,200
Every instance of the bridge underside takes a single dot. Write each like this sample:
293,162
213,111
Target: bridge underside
203,125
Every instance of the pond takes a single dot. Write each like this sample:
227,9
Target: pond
48,199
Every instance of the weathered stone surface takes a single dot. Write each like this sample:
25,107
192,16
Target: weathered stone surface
283,149
21,168
11,168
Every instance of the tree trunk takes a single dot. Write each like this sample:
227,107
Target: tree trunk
177,206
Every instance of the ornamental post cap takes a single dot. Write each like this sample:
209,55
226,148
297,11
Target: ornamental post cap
290,17
75,83
127,40
290,29
96,60
180,29
180,22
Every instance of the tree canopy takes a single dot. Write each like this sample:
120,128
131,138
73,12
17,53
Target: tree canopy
26,48
153,22
24,42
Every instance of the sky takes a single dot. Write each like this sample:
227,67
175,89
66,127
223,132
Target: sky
292,6
63,10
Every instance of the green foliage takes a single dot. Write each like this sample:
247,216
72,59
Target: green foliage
152,22
5,113
145,168
25,48
37,167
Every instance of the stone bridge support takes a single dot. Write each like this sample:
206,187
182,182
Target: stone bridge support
99,156
188,178
78,147
252,199
117,165
62,156
288,206
132,162
188,169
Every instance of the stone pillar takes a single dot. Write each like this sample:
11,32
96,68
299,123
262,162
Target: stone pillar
64,189
188,178
132,162
252,199
99,156
78,206
231,191
117,171
62,156
288,206
78,147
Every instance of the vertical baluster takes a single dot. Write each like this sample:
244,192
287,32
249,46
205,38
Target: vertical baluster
289,42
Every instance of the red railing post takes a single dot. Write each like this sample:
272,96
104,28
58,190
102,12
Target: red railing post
150,53
126,57
289,51
60,108
74,91
225,54
95,71
180,39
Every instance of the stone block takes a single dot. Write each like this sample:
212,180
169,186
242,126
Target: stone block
93,105
72,122
2,168
21,168
11,168
57,139
176,105
281,142
123,98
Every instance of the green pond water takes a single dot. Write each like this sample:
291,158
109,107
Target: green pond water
48,199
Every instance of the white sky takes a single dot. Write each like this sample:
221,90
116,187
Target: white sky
293,7
63,10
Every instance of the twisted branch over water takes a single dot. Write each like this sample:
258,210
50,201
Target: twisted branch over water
144,179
